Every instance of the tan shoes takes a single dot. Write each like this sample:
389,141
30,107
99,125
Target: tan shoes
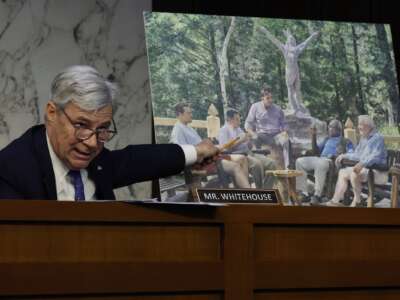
333,203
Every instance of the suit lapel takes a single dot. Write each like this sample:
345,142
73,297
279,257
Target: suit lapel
103,184
43,155
96,172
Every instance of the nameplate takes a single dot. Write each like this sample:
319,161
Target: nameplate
238,196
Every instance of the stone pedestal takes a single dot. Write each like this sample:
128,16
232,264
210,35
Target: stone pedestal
299,128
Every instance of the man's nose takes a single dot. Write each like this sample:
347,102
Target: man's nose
91,142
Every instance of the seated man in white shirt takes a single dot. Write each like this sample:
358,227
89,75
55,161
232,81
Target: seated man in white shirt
181,134
258,163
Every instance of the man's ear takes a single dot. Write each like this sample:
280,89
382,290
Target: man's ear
51,111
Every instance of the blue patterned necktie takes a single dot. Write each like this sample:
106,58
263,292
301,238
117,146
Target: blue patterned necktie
78,184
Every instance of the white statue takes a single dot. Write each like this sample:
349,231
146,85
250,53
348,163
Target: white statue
291,53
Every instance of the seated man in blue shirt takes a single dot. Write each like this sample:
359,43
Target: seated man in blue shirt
369,152
331,147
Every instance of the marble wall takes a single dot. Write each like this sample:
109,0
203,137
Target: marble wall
38,38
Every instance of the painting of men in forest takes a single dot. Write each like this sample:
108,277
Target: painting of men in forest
316,71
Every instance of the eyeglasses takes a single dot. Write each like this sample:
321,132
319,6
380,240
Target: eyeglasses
83,133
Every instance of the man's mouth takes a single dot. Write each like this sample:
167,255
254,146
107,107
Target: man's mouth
83,155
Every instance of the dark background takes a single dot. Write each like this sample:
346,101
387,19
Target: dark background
371,11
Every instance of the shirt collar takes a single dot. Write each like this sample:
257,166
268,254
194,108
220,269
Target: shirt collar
266,108
370,135
373,131
183,124
60,169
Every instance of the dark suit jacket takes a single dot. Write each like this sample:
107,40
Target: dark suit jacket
26,171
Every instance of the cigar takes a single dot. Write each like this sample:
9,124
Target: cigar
230,144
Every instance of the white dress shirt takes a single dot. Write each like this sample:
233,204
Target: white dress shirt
64,185
65,188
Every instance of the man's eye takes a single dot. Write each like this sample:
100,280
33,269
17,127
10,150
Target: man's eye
80,125
104,127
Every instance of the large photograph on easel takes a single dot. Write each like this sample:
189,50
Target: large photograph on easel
308,107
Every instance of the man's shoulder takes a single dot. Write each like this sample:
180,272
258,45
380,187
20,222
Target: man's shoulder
224,128
340,139
332,139
178,126
258,104
277,107
377,137
19,160
23,145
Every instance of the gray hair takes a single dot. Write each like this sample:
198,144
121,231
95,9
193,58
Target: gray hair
336,124
366,120
83,85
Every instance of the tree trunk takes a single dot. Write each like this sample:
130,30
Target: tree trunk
360,101
388,75
348,84
214,58
282,83
337,96
229,87
223,65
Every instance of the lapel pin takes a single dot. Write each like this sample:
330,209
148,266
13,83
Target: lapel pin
99,168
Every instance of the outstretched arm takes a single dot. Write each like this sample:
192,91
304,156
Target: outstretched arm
272,38
304,44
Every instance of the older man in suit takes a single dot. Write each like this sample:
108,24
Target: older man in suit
65,158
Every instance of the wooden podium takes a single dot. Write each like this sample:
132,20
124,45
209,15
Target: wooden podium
65,250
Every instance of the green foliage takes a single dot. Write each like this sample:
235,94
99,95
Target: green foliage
389,130
346,71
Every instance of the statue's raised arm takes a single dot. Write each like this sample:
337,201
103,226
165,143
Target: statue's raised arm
304,44
272,38
291,51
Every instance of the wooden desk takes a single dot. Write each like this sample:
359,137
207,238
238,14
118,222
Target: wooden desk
55,250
